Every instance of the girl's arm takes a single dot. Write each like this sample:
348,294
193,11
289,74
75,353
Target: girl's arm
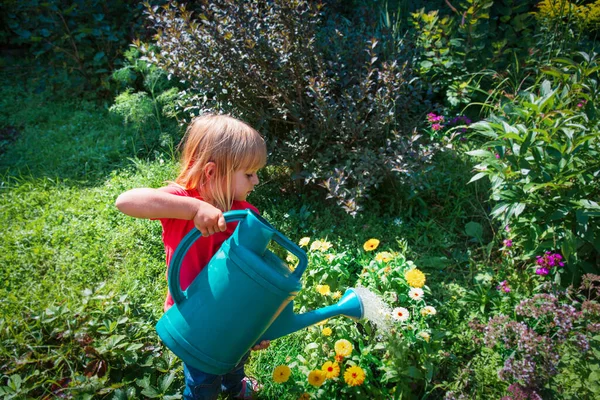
157,203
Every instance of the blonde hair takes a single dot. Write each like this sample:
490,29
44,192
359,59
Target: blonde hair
227,142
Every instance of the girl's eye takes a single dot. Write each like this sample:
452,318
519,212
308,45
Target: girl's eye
249,176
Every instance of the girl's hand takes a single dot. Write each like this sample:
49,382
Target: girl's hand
209,220
262,345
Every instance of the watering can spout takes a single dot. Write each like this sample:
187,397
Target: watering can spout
287,322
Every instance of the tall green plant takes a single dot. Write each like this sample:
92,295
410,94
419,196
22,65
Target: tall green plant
542,158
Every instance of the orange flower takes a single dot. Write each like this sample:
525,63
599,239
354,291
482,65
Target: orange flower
371,244
331,369
339,358
316,377
354,376
281,373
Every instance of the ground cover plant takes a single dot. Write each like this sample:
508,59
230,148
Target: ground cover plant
484,259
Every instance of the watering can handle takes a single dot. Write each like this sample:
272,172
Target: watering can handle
230,216
295,250
183,247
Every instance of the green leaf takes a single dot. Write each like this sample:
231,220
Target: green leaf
151,392
166,381
99,55
479,153
474,229
476,177
499,209
426,64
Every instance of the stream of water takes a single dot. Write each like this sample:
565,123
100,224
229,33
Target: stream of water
375,309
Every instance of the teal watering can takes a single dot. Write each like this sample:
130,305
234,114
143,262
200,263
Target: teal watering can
244,295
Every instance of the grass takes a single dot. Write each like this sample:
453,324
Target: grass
63,238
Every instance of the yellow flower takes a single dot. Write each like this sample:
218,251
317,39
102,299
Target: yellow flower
327,331
354,376
304,396
316,377
281,373
343,348
304,241
415,278
331,369
384,256
325,290
329,257
323,322
371,244
425,335
336,295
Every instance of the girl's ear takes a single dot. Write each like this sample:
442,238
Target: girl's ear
210,170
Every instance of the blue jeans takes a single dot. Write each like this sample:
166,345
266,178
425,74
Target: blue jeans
203,386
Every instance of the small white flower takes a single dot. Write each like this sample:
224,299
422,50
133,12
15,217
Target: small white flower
416,293
400,314
428,310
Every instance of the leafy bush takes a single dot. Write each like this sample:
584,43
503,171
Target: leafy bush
542,161
84,36
537,347
76,348
336,100
457,50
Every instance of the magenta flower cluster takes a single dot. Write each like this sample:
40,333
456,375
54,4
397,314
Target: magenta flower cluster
508,243
547,261
435,121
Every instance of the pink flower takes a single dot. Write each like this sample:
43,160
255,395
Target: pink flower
436,127
503,287
542,271
508,243
497,156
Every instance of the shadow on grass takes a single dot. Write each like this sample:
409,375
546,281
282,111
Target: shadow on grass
62,137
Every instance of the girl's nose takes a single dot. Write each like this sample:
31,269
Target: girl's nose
255,179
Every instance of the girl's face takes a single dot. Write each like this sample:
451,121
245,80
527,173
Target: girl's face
243,183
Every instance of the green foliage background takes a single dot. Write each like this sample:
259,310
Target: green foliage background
83,286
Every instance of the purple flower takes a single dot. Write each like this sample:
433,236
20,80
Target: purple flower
547,261
542,271
508,243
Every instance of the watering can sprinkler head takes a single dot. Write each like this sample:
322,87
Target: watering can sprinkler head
287,322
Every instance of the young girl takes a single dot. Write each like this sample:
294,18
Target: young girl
220,158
